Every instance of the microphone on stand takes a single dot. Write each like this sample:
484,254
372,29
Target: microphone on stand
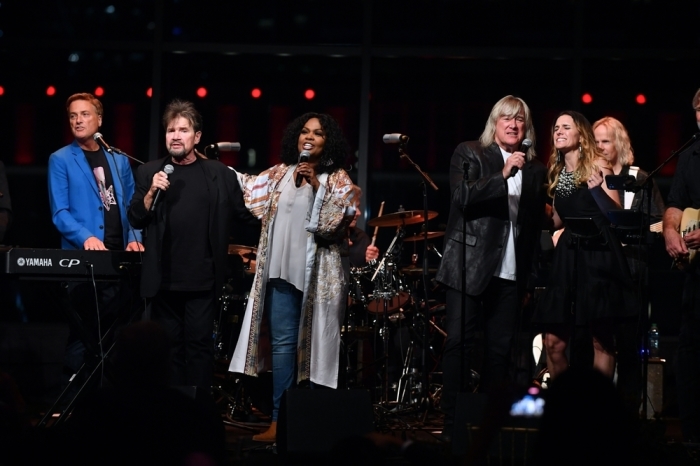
168,169
395,138
225,146
100,140
222,147
524,147
303,157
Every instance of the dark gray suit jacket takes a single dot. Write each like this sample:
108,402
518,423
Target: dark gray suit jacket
485,194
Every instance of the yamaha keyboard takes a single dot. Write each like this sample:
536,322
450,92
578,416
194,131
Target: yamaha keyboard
68,264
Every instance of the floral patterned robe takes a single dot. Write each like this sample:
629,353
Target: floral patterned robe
324,297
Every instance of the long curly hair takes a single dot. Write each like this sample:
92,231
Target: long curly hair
589,153
335,147
620,139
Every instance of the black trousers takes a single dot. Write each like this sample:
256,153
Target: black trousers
188,319
497,309
688,362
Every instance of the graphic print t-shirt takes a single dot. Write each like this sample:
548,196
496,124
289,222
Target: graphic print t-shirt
113,235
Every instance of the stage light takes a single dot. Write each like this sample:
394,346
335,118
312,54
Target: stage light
641,99
202,92
2,90
309,94
50,91
256,93
586,98
149,92
99,91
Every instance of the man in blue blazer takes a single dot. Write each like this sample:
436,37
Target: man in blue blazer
89,191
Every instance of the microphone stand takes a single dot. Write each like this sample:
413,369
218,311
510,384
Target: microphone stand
120,152
464,201
426,310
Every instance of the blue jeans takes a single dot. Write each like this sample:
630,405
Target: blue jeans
283,307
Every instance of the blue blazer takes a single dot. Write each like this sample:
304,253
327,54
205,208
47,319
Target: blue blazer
76,207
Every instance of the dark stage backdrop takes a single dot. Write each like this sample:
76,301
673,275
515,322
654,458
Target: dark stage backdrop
431,70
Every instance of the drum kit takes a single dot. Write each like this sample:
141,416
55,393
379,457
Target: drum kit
382,300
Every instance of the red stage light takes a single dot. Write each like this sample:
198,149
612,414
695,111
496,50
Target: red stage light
309,94
641,99
149,92
2,90
50,91
202,92
99,91
256,93
586,98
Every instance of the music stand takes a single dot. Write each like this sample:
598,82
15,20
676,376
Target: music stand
582,231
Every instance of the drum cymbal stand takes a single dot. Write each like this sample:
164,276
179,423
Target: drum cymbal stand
225,300
386,286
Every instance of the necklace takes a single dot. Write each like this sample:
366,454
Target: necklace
566,184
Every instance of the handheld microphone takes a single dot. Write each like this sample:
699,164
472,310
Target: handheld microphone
303,157
524,147
100,140
395,138
168,169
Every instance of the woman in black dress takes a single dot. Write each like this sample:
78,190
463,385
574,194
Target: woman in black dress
594,267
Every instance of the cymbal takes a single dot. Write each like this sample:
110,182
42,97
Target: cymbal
420,236
407,217
414,271
246,252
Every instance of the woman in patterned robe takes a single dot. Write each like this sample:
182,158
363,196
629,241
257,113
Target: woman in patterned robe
298,296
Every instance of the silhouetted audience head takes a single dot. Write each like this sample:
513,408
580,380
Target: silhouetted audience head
584,421
140,420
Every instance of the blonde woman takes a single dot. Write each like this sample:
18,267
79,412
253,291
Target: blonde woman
594,267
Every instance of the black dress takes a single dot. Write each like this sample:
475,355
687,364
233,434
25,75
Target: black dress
604,287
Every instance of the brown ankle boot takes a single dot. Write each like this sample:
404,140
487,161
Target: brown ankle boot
269,436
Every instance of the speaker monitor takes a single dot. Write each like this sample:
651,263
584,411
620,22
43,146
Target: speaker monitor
312,421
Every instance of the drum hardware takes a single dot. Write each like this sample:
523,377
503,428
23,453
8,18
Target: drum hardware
401,218
431,247
438,308
239,409
413,271
248,255
421,236
409,385
390,292
386,288
226,321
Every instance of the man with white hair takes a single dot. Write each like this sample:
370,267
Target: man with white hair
498,196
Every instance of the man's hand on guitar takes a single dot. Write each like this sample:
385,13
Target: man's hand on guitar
692,239
675,246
